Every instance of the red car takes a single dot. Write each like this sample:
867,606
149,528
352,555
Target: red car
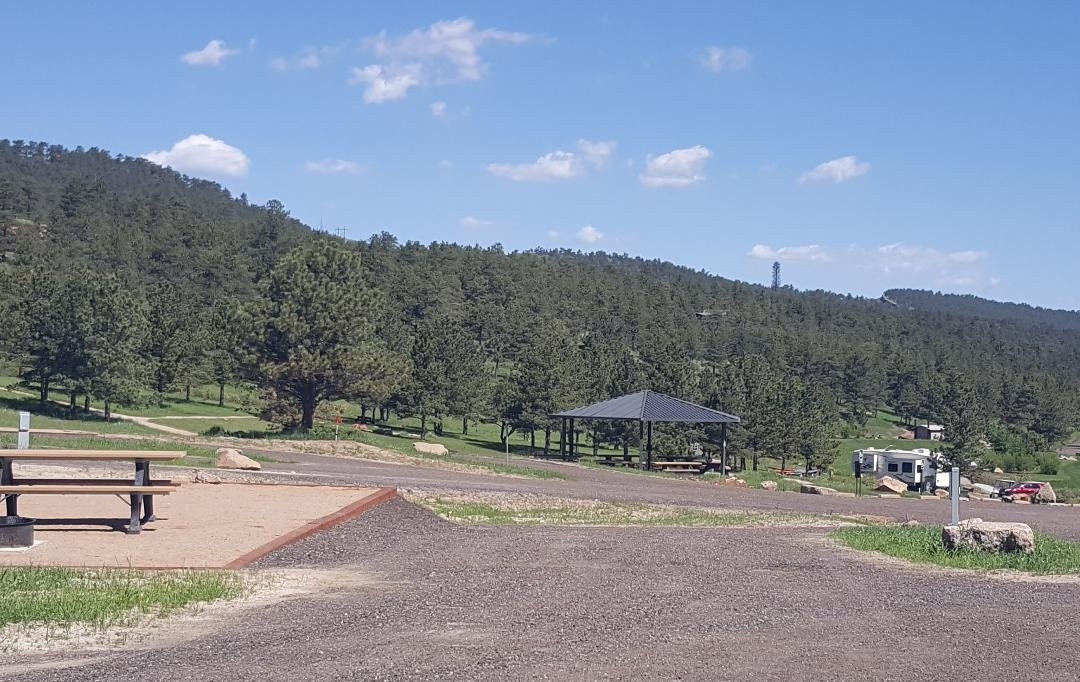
1025,488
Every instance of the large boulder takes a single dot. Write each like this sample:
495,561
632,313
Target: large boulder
812,489
891,484
769,485
989,536
430,448
231,458
1045,495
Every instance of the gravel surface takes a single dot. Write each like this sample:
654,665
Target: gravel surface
499,603
604,484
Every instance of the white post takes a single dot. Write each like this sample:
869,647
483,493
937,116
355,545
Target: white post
954,494
24,431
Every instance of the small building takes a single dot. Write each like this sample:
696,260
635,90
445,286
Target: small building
929,432
916,468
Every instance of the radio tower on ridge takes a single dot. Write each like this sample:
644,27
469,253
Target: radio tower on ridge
776,275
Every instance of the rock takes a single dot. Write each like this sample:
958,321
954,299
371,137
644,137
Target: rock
998,470
911,523
1020,498
732,480
811,489
989,536
405,434
1046,494
430,448
206,477
231,458
907,435
889,483
769,485
942,493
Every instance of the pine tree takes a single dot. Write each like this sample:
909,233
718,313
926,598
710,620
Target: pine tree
310,333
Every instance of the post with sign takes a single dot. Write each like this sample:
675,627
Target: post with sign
24,431
954,494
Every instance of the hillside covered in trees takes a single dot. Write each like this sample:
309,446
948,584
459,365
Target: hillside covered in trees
966,304
122,277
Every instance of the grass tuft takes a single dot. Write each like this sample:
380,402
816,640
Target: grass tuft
534,510
922,544
65,596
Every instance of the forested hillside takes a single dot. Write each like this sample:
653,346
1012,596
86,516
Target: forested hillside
98,248
966,304
135,219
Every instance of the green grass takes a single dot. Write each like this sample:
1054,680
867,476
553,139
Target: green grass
197,456
53,416
64,596
884,423
595,513
222,427
922,544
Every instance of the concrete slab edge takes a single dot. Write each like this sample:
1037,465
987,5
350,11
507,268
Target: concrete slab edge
325,523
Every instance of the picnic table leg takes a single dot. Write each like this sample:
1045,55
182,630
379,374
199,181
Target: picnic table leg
142,477
136,507
11,502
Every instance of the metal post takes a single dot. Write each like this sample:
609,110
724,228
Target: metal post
573,441
954,494
648,449
723,447
24,431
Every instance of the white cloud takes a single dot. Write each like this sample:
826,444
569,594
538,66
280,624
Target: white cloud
596,153
202,155
445,52
438,109
554,235
791,254
556,165
308,58
332,166
899,257
446,163
211,55
908,264
386,84
474,223
589,235
677,168
838,170
717,59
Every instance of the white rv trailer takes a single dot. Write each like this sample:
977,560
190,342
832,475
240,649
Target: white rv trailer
916,468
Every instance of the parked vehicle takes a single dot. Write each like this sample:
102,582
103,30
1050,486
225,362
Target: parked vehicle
1031,488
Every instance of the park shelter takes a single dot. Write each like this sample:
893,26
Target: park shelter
646,408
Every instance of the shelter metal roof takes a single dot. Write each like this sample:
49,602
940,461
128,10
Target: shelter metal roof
650,406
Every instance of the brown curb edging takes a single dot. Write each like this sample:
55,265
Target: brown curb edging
310,528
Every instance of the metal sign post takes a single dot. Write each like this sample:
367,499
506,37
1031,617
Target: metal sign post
954,494
24,431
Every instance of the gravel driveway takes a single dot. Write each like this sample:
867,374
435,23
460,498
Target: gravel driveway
606,484
501,603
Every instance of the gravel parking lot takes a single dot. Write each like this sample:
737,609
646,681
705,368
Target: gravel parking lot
482,602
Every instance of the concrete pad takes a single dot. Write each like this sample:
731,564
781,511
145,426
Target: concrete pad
198,526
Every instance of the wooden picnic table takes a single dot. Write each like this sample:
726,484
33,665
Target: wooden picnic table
140,489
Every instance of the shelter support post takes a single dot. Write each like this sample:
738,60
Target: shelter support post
648,448
562,438
573,440
723,447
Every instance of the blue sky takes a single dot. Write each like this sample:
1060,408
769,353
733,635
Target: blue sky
864,145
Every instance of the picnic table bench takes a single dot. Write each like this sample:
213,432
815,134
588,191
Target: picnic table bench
140,489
